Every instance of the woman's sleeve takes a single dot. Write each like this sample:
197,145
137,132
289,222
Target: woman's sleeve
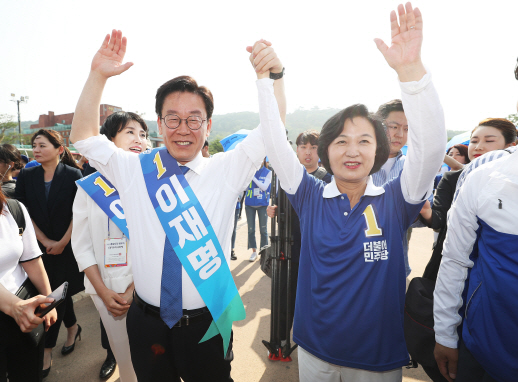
263,185
426,138
282,157
442,202
82,243
31,249
19,191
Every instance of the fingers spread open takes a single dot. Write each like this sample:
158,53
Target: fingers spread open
117,44
112,39
394,26
124,44
382,47
106,41
402,18
410,17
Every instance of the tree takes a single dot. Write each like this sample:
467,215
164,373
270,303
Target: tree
6,124
513,118
215,147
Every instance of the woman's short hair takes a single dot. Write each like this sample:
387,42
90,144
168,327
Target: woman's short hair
118,121
506,127
9,153
184,84
335,125
463,150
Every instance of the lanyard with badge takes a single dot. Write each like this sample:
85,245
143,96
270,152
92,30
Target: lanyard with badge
115,250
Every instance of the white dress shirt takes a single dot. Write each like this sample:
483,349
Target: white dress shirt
217,182
15,249
89,231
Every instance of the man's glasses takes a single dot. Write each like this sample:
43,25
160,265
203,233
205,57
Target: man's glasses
172,121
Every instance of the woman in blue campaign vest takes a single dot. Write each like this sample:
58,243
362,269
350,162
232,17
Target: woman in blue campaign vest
349,310
256,200
109,285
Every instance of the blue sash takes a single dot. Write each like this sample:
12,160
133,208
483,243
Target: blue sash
106,197
193,240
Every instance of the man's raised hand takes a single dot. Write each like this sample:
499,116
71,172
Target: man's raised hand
108,60
264,59
404,53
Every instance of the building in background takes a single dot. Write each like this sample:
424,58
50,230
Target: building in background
62,123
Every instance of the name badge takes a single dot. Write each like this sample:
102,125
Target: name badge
115,252
257,192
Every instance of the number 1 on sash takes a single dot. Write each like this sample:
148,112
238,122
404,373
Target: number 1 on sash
101,183
159,166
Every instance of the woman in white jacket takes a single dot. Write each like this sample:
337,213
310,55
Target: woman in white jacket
111,287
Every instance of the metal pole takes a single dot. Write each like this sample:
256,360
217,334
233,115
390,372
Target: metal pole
19,123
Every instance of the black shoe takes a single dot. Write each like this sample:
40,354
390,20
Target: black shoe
233,255
45,372
108,367
69,349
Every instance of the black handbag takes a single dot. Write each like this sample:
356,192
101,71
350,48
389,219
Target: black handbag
26,291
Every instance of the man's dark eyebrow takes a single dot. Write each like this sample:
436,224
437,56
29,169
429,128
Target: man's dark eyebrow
190,112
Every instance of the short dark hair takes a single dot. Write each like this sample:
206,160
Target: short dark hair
9,153
308,136
463,150
184,84
118,120
206,143
335,125
388,107
506,127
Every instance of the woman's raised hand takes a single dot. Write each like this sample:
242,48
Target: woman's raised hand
404,53
108,60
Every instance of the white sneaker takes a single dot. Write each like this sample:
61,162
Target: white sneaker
253,256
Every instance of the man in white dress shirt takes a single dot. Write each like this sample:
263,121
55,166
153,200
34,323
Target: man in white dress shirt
184,112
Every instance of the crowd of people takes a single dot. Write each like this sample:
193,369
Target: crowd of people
149,234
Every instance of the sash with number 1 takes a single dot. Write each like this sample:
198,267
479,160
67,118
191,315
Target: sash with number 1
193,239
106,197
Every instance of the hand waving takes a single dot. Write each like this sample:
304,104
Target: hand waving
108,60
404,53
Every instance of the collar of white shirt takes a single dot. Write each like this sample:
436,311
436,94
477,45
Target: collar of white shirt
331,189
197,164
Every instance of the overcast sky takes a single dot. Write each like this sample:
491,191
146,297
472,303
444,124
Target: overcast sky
326,46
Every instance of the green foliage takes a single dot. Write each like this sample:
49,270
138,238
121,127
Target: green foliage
6,124
215,147
513,118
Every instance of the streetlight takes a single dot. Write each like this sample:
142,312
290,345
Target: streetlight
22,99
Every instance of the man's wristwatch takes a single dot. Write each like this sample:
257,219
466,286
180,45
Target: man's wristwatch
277,76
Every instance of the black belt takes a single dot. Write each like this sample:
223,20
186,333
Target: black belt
189,316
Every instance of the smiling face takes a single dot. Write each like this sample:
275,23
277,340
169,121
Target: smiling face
485,139
352,153
455,154
183,143
44,152
308,156
397,131
131,138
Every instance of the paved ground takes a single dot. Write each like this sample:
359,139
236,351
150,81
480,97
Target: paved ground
250,363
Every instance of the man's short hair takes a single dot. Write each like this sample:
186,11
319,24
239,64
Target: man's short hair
388,107
184,84
117,121
308,136
335,125
206,143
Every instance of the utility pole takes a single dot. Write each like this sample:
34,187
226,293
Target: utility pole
22,99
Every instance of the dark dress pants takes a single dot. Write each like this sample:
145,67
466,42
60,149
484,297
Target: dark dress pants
162,354
469,370
18,356
66,314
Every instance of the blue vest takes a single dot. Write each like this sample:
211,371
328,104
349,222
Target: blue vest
255,197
